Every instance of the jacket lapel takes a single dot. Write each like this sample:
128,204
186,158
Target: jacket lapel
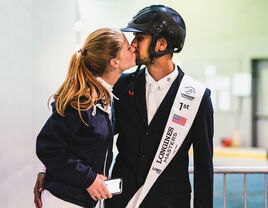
165,106
140,98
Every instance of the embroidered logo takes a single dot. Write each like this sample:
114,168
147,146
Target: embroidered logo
188,92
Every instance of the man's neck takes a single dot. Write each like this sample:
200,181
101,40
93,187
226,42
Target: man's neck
160,68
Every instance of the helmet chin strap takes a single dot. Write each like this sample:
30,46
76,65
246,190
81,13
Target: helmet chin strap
153,54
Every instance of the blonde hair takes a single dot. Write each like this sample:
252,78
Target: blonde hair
80,89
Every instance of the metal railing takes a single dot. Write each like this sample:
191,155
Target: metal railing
241,170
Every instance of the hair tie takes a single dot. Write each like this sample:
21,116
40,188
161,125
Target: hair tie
82,51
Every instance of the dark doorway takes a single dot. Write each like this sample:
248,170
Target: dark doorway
260,103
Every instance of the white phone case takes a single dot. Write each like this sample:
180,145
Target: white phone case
114,185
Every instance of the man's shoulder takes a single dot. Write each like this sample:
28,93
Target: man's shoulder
207,90
126,78
131,75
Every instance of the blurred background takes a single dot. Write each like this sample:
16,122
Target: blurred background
226,49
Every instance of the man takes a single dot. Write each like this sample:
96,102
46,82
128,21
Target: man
159,32
146,135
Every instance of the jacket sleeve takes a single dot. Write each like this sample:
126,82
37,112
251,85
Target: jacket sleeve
203,153
53,149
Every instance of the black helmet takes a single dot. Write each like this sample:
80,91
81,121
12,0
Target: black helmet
160,21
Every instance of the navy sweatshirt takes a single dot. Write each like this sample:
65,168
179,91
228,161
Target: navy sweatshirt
74,153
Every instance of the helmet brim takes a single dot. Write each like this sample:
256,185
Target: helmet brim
130,29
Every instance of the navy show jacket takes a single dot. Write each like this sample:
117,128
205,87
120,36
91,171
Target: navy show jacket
74,153
138,142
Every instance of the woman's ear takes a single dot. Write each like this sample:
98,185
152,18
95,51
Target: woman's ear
114,62
161,44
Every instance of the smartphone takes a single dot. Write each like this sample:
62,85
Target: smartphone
114,185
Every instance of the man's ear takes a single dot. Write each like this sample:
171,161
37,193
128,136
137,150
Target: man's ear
114,62
161,45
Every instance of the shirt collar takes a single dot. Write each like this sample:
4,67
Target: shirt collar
167,80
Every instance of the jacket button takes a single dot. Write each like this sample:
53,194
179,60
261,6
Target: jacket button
143,156
147,133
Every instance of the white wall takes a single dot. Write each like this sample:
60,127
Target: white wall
36,40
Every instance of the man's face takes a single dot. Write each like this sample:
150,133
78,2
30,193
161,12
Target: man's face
141,43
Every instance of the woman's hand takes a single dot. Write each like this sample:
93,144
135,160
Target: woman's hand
38,188
98,189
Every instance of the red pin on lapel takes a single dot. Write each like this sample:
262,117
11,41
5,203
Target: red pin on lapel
131,92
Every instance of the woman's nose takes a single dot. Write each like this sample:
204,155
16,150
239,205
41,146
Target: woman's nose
134,43
132,49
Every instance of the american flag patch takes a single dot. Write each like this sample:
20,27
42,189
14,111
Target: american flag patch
179,120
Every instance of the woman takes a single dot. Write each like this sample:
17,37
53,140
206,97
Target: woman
75,144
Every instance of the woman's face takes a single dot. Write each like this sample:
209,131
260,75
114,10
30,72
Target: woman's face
126,56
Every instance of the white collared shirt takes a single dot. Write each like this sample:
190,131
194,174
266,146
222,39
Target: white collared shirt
157,90
105,84
110,90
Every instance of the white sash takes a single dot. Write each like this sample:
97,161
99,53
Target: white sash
179,122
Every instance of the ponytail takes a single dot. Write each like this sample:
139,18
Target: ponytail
81,90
